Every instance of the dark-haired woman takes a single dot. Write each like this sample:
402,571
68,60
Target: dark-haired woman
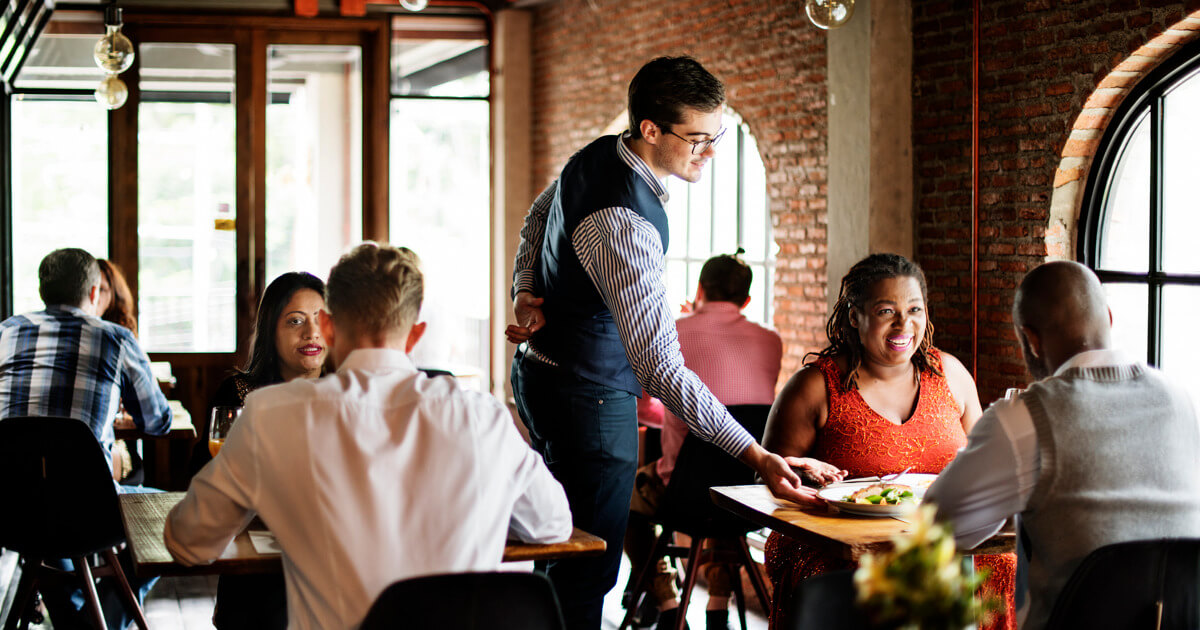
878,399
287,344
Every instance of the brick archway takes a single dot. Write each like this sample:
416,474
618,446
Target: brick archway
1070,178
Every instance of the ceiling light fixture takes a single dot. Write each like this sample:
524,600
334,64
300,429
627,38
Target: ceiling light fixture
414,5
114,55
828,14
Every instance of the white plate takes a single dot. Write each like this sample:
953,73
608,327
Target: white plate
836,495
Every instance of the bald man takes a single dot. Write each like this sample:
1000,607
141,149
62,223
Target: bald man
1100,450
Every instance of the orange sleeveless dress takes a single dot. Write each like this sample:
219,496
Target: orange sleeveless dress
859,440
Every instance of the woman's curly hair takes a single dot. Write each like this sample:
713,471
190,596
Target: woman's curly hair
856,288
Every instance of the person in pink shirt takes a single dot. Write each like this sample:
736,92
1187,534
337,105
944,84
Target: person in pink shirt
739,361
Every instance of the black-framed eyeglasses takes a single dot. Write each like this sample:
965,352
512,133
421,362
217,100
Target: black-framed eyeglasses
698,146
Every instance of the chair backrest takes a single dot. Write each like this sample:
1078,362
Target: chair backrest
826,602
687,506
468,601
1121,585
58,492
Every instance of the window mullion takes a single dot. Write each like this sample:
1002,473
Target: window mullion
1155,286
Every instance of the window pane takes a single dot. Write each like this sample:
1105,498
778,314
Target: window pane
1179,341
314,169
692,207
60,186
699,226
1125,235
756,221
186,205
439,56
440,195
1128,305
1181,136
677,283
725,201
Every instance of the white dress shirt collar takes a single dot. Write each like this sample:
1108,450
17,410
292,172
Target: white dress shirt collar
376,359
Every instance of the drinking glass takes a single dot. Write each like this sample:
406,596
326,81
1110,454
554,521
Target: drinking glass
222,421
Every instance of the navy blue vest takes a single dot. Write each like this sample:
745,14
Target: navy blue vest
580,334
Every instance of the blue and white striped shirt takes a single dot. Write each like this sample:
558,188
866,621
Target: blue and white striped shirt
63,362
623,255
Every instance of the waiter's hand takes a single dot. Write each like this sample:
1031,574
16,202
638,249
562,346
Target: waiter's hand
781,480
530,319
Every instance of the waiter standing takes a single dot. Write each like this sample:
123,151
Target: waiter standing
594,324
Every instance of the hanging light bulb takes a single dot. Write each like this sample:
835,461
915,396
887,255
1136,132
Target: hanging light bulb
112,92
829,14
414,5
114,52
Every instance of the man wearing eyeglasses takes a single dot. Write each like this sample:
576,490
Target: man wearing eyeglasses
594,326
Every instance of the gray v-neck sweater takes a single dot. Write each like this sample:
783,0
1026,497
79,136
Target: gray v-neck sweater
1120,461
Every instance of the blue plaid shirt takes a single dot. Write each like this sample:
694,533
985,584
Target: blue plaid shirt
63,362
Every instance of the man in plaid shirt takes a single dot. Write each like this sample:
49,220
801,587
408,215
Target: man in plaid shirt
66,361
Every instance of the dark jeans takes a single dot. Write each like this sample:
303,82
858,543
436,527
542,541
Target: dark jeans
587,434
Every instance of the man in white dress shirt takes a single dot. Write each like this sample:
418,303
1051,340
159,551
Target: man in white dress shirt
1101,450
375,473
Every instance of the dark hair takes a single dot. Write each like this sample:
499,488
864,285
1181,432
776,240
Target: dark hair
726,278
66,275
121,311
661,90
856,288
262,368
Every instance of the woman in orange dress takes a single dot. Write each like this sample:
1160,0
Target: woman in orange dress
879,399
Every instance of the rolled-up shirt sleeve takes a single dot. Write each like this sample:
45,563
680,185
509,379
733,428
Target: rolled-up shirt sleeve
623,255
218,503
532,234
992,478
140,393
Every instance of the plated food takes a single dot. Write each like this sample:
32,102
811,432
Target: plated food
875,498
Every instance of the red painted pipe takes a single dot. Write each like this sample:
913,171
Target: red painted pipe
975,193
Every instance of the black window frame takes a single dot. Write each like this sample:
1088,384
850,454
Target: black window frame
1146,99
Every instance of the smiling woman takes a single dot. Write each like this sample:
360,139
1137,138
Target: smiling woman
880,398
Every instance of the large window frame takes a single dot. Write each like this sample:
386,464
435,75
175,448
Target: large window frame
251,37
1146,100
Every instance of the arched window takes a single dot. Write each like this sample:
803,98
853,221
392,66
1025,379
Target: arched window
1141,218
725,210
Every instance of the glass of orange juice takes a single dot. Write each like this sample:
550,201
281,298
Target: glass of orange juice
222,421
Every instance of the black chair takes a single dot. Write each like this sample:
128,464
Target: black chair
468,601
687,508
62,503
826,602
1139,584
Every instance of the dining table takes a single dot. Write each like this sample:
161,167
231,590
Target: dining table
145,516
858,534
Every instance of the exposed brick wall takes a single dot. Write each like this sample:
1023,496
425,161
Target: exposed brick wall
1040,62
773,64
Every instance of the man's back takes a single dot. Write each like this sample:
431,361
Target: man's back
372,475
61,362
1118,457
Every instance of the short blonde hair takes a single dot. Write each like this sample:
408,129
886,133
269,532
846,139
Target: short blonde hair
375,288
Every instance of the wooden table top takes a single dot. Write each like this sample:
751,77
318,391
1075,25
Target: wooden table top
181,426
860,534
145,516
